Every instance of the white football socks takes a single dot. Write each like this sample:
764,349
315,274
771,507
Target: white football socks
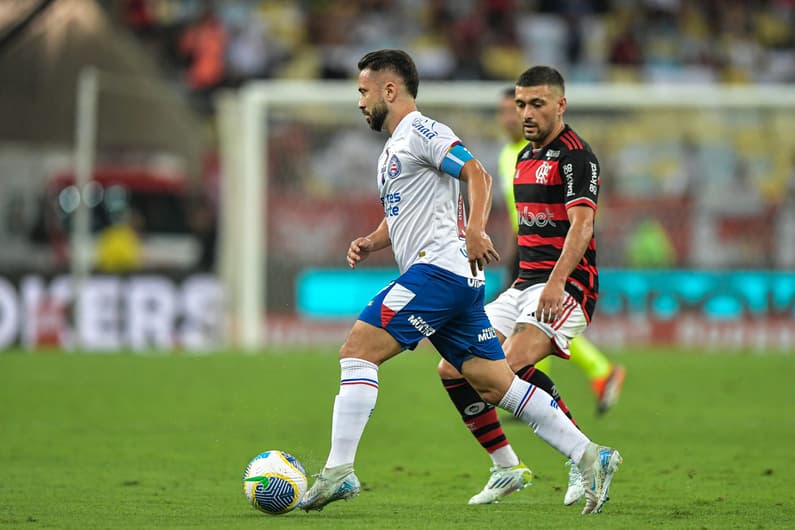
504,457
539,410
352,408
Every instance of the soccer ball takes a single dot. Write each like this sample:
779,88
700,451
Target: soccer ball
274,482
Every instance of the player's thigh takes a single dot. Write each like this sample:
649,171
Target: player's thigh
527,344
569,324
417,304
447,371
468,333
370,343
503,311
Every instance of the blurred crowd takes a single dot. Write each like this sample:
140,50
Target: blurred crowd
212,43
718,190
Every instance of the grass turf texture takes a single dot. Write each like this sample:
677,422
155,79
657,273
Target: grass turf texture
122,441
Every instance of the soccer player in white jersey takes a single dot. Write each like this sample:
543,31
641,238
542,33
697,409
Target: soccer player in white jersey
439,293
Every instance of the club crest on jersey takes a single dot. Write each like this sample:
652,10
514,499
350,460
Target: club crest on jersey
393,167
542,173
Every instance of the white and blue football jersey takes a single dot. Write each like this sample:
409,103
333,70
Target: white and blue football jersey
418,184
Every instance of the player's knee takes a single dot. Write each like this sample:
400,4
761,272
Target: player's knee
354,347
370,344
488,389
521,354
347,351
517,362
490,395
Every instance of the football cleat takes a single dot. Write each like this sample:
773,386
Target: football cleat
575,489
503,481
609,389
597,467
332,484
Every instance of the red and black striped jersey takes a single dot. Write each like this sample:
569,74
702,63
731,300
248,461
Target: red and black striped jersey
547,182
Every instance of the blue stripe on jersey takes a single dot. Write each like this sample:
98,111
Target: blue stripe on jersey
456,157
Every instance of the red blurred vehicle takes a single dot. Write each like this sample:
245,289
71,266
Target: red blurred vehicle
155,202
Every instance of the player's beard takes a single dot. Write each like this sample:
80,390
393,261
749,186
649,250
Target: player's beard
539,135
378,116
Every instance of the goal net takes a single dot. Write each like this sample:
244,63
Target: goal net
708,170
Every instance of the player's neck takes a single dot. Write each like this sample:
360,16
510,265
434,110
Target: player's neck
396,115
551,136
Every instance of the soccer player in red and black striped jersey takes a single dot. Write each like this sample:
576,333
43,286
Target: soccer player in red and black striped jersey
556,187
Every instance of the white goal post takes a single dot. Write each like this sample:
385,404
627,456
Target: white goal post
243,137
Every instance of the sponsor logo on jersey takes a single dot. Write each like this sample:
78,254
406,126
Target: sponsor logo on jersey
393,167
421,326
487,334
424,130
568,170
390,203
593,187
552,154
542,173
539,219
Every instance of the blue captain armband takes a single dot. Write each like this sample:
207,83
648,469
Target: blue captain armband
454,160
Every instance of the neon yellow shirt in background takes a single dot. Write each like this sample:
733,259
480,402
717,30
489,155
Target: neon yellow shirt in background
118,250
507,169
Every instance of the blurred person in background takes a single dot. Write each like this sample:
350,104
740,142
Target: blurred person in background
650,246
119,244
606,377
203,45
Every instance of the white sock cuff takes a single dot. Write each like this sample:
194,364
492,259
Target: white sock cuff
358,370
515,394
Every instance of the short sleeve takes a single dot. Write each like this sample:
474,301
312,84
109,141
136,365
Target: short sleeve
436,145
579,171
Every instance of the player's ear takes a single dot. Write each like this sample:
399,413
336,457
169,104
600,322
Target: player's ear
390,91
562,104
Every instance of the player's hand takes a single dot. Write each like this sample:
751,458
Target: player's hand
480,250
358,250
550,303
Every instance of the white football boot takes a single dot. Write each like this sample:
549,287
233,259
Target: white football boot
597,467
503,481
575,489
332,484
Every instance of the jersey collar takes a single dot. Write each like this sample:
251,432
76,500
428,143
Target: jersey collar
405,123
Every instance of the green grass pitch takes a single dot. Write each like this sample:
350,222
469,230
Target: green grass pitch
161,441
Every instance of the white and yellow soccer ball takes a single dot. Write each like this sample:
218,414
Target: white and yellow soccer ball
274,482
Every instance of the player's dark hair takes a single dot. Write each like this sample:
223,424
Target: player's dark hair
396,60
541,75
